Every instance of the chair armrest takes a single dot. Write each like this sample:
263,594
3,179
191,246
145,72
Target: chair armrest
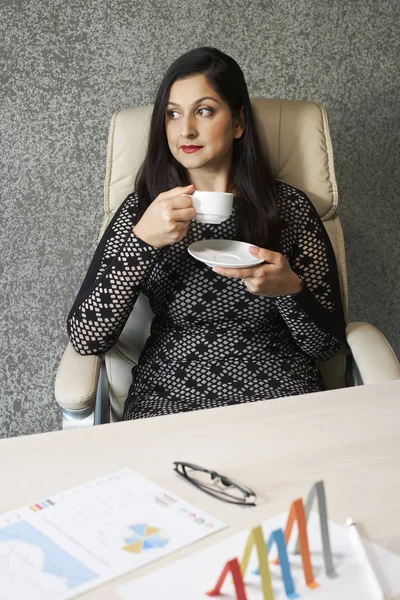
76,379
372,353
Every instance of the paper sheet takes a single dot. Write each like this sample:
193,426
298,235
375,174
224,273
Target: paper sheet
69,543
191,577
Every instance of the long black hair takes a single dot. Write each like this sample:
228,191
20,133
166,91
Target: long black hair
257,213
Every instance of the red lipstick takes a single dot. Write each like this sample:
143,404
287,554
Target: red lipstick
190,149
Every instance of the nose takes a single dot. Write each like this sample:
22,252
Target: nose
188,127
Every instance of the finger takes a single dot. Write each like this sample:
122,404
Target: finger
182,225
183,214
235,273
266,255
188,189
247,284
180,202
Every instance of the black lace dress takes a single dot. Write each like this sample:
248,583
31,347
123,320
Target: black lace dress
212,342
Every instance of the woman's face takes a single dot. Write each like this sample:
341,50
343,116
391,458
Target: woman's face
199,125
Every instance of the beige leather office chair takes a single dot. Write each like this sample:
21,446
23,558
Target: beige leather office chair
295,136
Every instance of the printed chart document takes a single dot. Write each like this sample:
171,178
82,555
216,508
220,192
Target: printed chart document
191,577
74,541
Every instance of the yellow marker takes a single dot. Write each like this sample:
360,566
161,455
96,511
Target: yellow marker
256,539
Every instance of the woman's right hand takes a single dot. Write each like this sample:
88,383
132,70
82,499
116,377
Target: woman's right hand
167,219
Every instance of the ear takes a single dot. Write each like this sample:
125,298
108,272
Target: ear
239,125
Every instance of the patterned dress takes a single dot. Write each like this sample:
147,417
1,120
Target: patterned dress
212,343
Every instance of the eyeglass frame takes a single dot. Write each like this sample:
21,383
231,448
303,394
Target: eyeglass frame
227,481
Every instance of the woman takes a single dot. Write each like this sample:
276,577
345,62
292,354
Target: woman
214,341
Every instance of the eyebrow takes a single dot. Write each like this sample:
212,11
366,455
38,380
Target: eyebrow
197,101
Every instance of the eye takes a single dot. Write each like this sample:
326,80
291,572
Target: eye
205,111
171,113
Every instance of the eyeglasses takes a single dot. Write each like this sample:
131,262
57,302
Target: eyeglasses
208,482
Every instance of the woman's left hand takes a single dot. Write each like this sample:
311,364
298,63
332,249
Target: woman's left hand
273,277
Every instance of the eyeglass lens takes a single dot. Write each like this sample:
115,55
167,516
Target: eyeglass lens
215,483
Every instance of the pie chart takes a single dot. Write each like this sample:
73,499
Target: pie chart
144,537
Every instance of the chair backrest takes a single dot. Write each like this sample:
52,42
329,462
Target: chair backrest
295,138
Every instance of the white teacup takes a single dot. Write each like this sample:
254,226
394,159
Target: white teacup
212,207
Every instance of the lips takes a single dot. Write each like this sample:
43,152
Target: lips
190,149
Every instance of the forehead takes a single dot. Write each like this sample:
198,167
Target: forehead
190,89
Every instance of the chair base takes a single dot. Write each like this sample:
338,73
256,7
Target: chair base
74,419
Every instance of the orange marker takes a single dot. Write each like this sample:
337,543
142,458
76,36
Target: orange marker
297,514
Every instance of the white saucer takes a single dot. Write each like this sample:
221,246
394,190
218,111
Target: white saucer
223,253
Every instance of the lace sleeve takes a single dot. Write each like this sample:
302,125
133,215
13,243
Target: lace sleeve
314,315
119,268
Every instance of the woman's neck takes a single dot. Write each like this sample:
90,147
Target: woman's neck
216,183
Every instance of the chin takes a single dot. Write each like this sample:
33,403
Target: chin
190,162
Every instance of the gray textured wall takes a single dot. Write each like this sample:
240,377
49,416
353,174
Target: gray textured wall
68,65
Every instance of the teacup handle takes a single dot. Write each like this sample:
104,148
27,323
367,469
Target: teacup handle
190,196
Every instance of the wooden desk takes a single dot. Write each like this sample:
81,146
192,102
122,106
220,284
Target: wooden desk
349,438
